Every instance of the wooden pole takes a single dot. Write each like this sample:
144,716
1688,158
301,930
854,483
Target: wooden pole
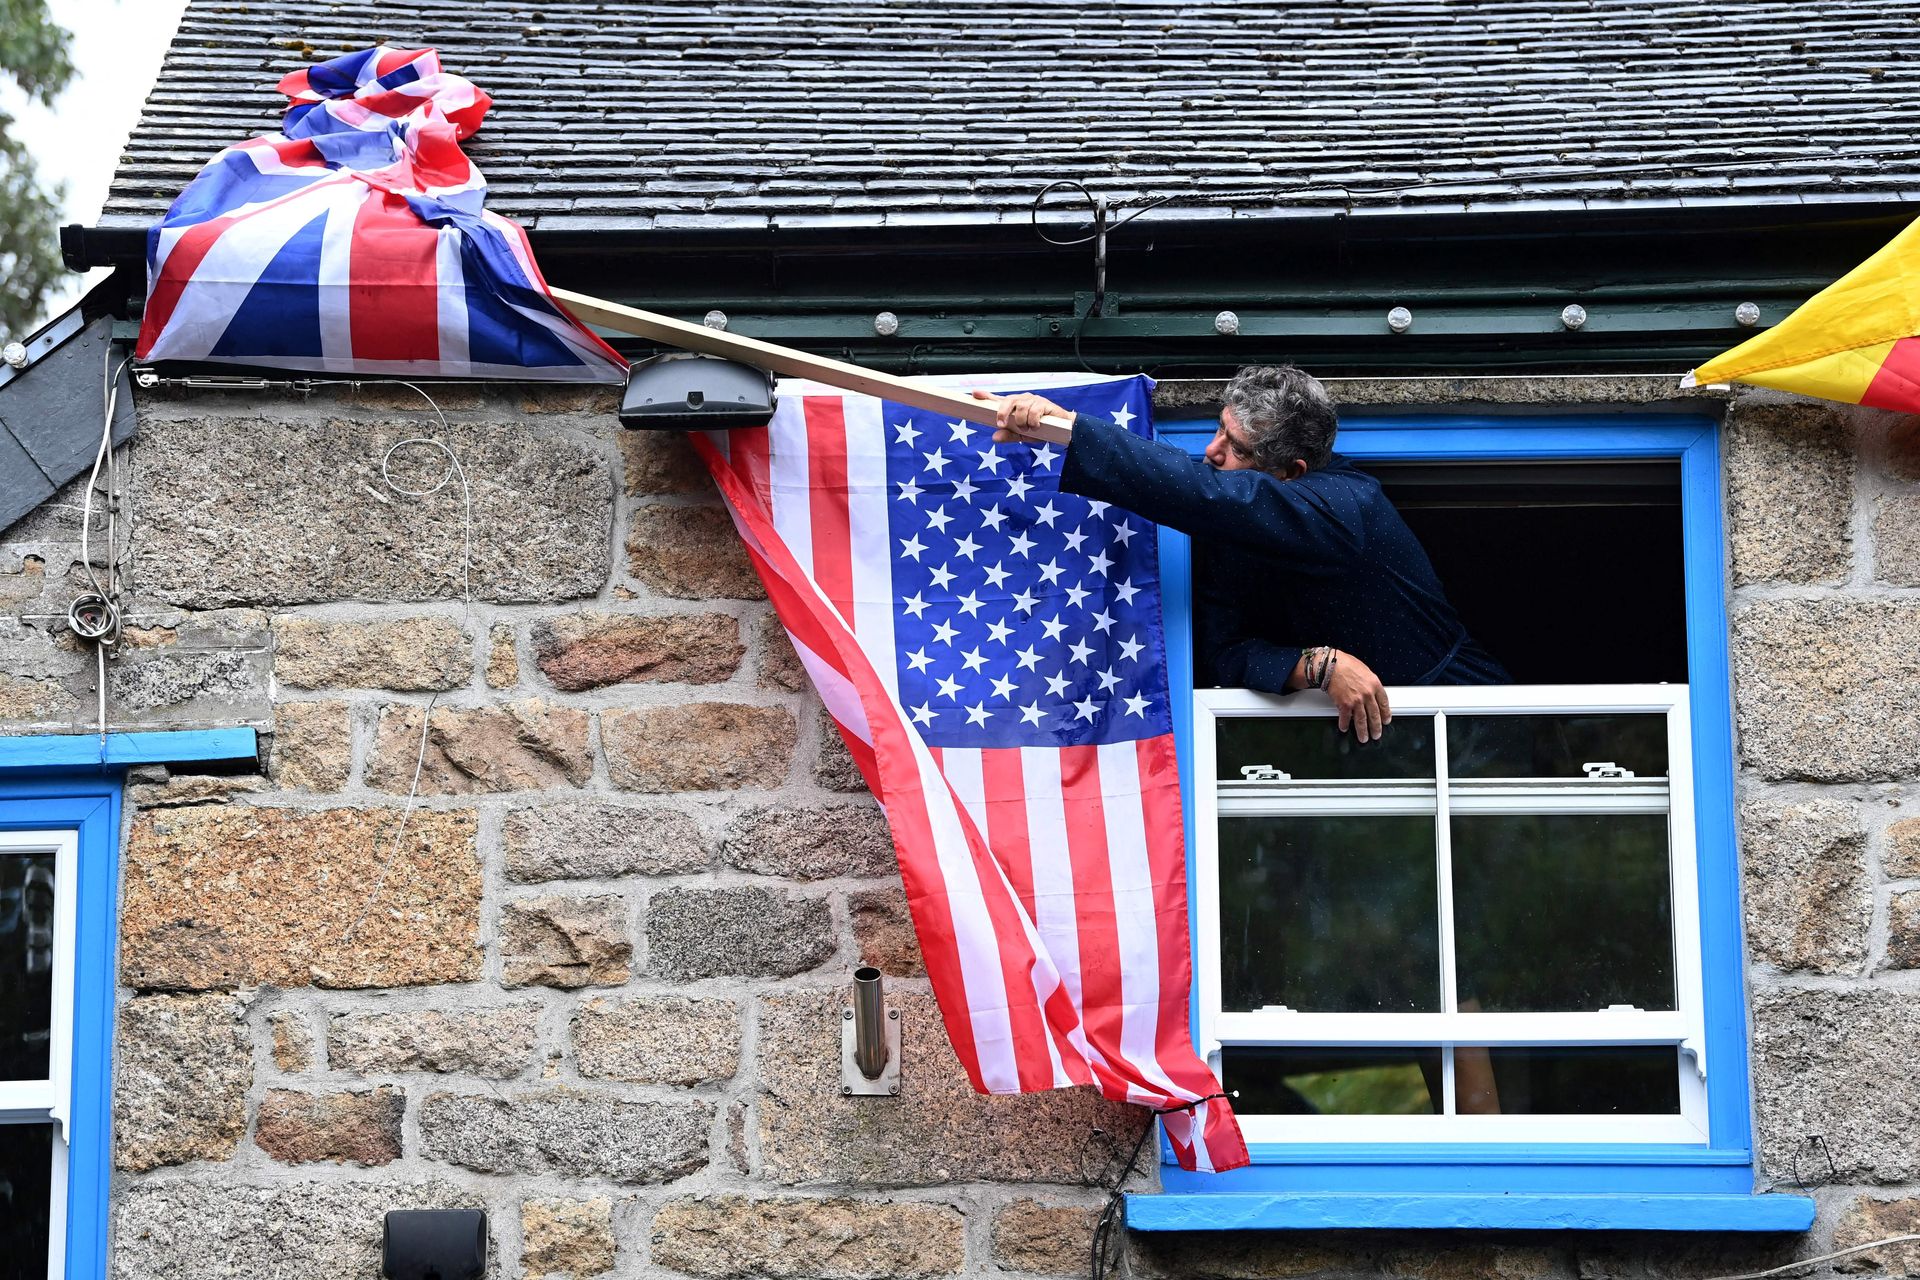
798,364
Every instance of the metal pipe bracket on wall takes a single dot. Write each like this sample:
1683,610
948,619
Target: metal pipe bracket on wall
869,1041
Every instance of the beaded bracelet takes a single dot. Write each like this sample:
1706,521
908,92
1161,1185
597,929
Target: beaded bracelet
1318,664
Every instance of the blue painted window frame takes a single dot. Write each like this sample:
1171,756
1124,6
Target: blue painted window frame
73,782
1493,1185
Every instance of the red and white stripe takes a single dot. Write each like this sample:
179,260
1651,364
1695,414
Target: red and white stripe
1047,885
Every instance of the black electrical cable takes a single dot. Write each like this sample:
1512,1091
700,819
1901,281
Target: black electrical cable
1113,1215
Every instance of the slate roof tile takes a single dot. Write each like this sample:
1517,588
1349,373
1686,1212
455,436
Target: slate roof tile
726,113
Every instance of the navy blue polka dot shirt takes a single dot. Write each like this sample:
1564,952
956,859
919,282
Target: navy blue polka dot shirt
1283,565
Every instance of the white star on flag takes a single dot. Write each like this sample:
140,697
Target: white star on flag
1028,615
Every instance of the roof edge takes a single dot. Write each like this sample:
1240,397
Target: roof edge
119,239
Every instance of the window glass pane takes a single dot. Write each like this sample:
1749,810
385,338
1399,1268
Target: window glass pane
1569,912
1333,1082
26,1175
1314,747
1329,914
26,965
1554,746
1626,1080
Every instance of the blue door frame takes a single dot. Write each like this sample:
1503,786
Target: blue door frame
1618,1186
73,782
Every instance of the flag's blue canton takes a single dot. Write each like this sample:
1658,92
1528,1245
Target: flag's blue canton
1023,617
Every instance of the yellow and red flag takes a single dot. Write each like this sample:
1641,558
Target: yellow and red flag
1856,341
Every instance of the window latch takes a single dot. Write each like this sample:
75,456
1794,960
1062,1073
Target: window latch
1263,773
1605,769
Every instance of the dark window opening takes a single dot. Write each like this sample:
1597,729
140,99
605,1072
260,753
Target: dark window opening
1567,572
26,1205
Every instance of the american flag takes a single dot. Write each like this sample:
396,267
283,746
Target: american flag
992,653
356,241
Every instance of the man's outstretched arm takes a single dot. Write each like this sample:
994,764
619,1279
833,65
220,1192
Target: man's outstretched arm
1165,485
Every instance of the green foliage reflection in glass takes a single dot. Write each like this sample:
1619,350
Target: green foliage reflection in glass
1328,1082
1329,914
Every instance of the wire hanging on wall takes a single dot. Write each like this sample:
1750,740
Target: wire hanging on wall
455,470
94,616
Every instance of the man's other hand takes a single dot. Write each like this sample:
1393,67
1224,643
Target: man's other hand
1019,416
1360,696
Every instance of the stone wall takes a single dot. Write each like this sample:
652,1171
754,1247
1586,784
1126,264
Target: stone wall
591,978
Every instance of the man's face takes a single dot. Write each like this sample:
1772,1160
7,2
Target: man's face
1229,450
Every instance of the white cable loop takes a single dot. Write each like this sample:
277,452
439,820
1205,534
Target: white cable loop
466,587
95,615
453,469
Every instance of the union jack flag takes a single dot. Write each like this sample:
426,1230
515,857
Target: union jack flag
991,651
356,241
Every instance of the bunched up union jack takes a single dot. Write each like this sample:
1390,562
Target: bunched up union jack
357,240
991,651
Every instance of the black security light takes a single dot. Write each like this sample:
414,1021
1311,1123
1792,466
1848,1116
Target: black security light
685,392
434,1244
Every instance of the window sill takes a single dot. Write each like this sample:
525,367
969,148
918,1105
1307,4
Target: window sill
120,750
1244,1211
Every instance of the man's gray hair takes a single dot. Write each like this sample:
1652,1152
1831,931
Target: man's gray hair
1284,414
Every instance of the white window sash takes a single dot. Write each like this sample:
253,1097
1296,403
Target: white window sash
1489,796
1287,1027
27,1100
1685,1129
1683,1026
